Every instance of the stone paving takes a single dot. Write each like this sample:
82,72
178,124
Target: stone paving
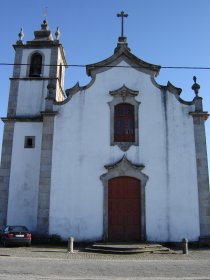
45,262
62,253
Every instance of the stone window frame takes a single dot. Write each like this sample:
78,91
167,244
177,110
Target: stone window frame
29,64
26,144
124,95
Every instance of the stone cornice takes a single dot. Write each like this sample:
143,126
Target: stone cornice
38,44
199,114
134,61
33,78
49,113
123,54
173,89
23,119
73,90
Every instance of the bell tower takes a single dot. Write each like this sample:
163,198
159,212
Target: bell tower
37,82
37,63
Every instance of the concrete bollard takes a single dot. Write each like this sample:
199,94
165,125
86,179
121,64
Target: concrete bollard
71,244
185,246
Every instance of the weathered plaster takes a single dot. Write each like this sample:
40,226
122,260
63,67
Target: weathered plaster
84,122
24,175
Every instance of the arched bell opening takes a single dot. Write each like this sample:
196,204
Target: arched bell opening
35,65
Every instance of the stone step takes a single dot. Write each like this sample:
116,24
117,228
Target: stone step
127,248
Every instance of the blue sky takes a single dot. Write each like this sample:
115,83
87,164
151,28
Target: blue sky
163,32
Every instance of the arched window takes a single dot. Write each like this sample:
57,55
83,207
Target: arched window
35,65
124,124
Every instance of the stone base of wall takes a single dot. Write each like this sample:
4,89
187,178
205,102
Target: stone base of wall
204,241
45,239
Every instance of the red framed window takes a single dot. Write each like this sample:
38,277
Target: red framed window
124,125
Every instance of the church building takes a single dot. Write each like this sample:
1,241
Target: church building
120,159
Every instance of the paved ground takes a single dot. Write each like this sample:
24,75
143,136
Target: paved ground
40,262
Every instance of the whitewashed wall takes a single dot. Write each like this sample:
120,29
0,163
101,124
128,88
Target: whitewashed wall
24,178
31,97
82,148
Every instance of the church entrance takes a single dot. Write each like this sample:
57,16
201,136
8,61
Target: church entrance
124,209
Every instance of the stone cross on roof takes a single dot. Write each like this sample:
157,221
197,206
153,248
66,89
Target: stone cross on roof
122,15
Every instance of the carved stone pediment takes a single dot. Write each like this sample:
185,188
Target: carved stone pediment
124,92
124,164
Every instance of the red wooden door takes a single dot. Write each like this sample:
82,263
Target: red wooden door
124,209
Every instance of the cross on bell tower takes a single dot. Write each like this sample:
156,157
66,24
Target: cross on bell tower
122,39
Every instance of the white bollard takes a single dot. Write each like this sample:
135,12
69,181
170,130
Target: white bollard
71,244
185,246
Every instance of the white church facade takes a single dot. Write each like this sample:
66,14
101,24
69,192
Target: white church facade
120,159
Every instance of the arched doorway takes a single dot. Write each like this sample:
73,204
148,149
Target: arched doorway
124,209
124,171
